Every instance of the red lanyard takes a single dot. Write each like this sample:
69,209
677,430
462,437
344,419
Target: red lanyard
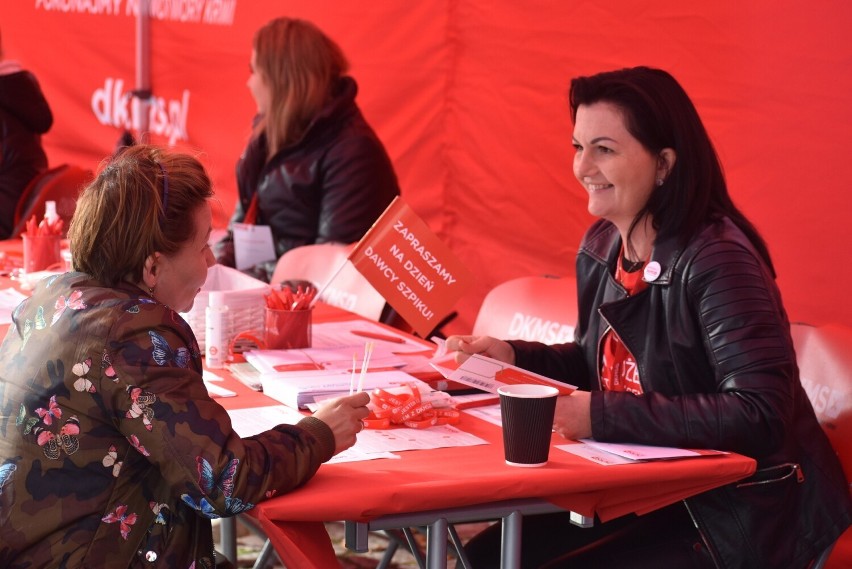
406,410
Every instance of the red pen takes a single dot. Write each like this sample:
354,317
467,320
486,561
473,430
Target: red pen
375,336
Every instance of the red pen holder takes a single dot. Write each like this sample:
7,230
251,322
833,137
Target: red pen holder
287,329
41,252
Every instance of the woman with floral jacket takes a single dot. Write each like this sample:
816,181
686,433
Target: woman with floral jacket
112,453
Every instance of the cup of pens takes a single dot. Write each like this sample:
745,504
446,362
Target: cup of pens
42,244
288,317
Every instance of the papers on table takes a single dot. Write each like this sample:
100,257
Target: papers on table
625,453
488,374
334,343
270,362
370,445
295,377
353,334
298,389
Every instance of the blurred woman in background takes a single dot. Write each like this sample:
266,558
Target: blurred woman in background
314,171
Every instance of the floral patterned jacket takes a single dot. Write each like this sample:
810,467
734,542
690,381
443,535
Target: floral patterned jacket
112,454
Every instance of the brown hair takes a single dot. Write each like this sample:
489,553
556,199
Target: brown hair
300,64
141,202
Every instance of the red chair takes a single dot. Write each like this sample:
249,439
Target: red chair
541,309
61,184
824,355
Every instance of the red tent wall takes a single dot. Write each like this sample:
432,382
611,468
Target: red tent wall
469,97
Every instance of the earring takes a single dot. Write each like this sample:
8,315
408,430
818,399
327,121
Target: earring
151,291
660,182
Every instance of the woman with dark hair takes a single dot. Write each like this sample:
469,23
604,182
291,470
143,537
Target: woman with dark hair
314,171
112,452
683,341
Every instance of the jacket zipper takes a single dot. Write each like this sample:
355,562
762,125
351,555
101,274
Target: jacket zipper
703,537
598,352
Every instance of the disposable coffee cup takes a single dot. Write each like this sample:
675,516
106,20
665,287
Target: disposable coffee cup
288,329
527,414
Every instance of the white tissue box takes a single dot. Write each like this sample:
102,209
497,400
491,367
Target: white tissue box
244,297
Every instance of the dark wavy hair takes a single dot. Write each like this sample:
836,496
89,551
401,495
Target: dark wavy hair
659,114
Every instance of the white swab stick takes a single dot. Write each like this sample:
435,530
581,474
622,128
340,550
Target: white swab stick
368,351
352,377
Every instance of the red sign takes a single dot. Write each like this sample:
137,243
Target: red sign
411,268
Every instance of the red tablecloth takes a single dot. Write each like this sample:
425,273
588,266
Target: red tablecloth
460,476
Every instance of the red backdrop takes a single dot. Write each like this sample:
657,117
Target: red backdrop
469,97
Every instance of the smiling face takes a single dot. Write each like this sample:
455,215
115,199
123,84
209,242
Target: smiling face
180,275
617,171
258,86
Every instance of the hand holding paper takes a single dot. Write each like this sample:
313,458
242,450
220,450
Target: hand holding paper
488,374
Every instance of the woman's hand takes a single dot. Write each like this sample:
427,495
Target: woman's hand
344,416
464,346
573,416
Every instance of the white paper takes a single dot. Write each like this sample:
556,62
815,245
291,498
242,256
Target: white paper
480,371
397,439
489,413
595,455
639,452
217,390
343,334
370,444
311,359
297,389
252,245
253,421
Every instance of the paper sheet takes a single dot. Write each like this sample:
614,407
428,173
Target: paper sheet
488,374
252,245
607,454
370,445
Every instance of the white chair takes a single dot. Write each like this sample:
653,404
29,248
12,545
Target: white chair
539,308
824,356
320,263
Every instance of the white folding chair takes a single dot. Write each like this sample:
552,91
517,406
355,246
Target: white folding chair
536,308
824,356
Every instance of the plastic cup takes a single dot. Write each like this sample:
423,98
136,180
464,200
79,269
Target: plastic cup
41,252
527,415
287,329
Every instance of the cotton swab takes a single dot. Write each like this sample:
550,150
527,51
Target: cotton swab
368,351
352,377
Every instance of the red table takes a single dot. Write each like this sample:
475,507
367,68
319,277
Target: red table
442,486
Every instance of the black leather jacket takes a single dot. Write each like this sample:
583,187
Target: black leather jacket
328,187
717,367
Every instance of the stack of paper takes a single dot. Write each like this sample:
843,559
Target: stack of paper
299,388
